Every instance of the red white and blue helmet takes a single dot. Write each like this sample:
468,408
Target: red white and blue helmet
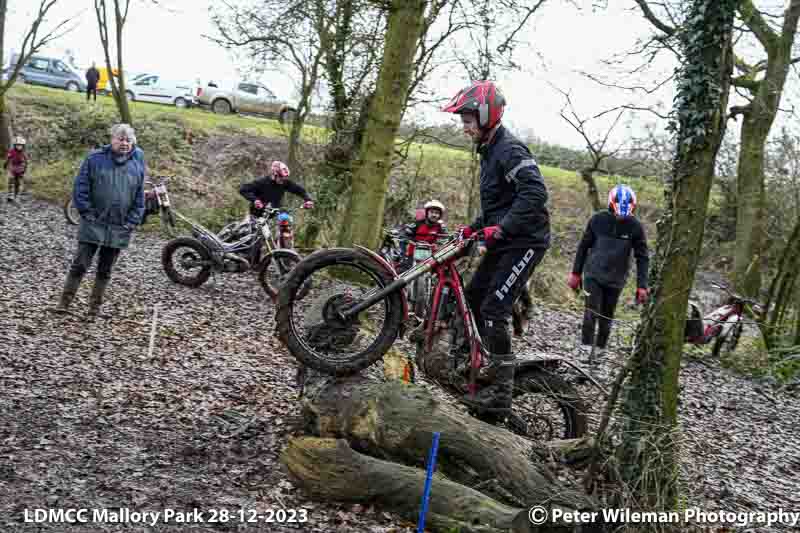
622,200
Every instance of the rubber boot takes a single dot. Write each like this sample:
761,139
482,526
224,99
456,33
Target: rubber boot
496,398
96,299
71,285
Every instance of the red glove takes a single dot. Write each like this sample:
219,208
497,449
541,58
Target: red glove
308,204
492,234
574,281
466,232
641,295
258,204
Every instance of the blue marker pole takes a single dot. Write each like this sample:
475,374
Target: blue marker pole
428,478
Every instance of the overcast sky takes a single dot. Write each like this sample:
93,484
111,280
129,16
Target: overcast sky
563,42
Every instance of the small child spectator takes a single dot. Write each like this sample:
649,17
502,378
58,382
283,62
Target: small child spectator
16,163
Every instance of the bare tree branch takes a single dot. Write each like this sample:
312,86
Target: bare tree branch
654,20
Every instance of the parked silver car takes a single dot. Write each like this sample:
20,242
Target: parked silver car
48,71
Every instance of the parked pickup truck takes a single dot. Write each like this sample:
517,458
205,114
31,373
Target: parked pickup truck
244,98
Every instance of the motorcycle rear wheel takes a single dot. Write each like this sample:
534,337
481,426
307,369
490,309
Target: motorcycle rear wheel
198,252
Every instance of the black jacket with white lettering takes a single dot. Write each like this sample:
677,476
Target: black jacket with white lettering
604,253
513,193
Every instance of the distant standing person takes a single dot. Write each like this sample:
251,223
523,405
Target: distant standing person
16,163
109,194
604,258
92,77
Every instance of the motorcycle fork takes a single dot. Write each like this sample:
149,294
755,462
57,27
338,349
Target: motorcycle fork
447,276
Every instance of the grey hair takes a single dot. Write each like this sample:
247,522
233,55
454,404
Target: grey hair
119,130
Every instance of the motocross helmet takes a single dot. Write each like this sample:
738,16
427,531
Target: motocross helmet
280,170
434,204
482,98
622,200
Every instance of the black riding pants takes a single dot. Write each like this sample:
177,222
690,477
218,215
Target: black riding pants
83,260
493,289
600,305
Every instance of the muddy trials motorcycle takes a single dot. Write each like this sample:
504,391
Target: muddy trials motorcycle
723,325
156,202
240,247
358,308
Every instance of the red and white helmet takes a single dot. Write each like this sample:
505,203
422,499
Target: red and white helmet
279,169
483,98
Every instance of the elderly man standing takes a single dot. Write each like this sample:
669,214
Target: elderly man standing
109,194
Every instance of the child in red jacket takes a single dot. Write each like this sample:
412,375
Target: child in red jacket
16,163
426,229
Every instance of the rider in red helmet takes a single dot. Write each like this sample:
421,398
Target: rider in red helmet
516,225
270,189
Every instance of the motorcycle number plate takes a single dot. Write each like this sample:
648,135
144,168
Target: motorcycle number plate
421,254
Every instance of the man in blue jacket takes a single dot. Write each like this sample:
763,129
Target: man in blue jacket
109,194
516,225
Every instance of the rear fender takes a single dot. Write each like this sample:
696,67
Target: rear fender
387,267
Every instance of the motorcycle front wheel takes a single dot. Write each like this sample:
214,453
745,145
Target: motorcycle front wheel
727,344
70,213
314,329
274,270
186,261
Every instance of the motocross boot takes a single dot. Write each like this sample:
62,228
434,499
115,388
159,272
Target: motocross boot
96,299
495,399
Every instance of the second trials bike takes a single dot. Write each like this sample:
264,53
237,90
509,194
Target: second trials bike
156,201
723,325
250,246
357,309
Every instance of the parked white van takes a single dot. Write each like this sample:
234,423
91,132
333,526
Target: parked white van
154,88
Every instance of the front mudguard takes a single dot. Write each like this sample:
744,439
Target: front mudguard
387,267
278,252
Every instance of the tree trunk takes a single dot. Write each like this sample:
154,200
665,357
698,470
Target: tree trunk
758,118
122,102
587,175
782,287
648,453
118,90
5,123
371,176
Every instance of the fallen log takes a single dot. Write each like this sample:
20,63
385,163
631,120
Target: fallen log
395,421
330,469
